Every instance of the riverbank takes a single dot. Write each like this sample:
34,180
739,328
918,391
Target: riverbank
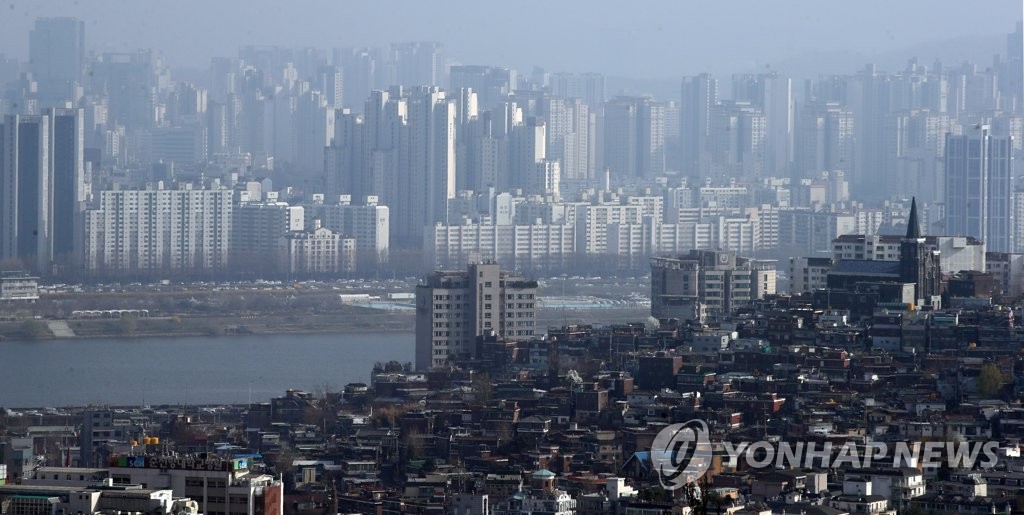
347,319
314,308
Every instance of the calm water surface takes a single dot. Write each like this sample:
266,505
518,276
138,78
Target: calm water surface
137,371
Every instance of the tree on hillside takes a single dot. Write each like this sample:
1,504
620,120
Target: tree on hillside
990,380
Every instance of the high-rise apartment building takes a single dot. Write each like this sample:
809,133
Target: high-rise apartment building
330,81
825,140
588,87
634,137
42,189
916,142
56,48
651,138
368,223
379,146
159,231
343,160
737,143
979,187
26,191
133,82
773,94
403,151
454,308
571,136
492,85
417,63
540,247
428,181
360,70
69,187
528,146
1013,77
257,233
870,108
314,130
706,284
319,251
620,137
699,96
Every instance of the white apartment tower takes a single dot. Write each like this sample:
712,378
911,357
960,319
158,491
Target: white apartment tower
319,251
428,180
159,231
528,148
368,223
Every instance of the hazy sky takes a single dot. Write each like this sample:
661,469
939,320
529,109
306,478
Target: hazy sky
642,38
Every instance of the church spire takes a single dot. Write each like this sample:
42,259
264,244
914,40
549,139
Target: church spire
913,227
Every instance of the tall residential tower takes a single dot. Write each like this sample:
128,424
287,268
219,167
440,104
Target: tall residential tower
979,187
454,308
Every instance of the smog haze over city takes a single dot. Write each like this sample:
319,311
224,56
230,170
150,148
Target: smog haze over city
657,39
540,257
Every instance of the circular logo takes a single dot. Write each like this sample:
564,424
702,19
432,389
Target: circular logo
681,453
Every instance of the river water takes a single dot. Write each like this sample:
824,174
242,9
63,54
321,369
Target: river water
191,369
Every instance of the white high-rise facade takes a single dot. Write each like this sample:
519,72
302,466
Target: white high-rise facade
369,223
570,137
155,231
431,157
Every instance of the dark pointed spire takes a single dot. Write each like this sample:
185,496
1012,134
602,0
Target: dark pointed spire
913,227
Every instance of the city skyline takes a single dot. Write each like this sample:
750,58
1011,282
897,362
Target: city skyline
562,258
445,163
707,37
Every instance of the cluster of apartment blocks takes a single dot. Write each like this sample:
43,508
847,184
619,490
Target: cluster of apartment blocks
706,285
160,230
454,309
540,233
956,254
